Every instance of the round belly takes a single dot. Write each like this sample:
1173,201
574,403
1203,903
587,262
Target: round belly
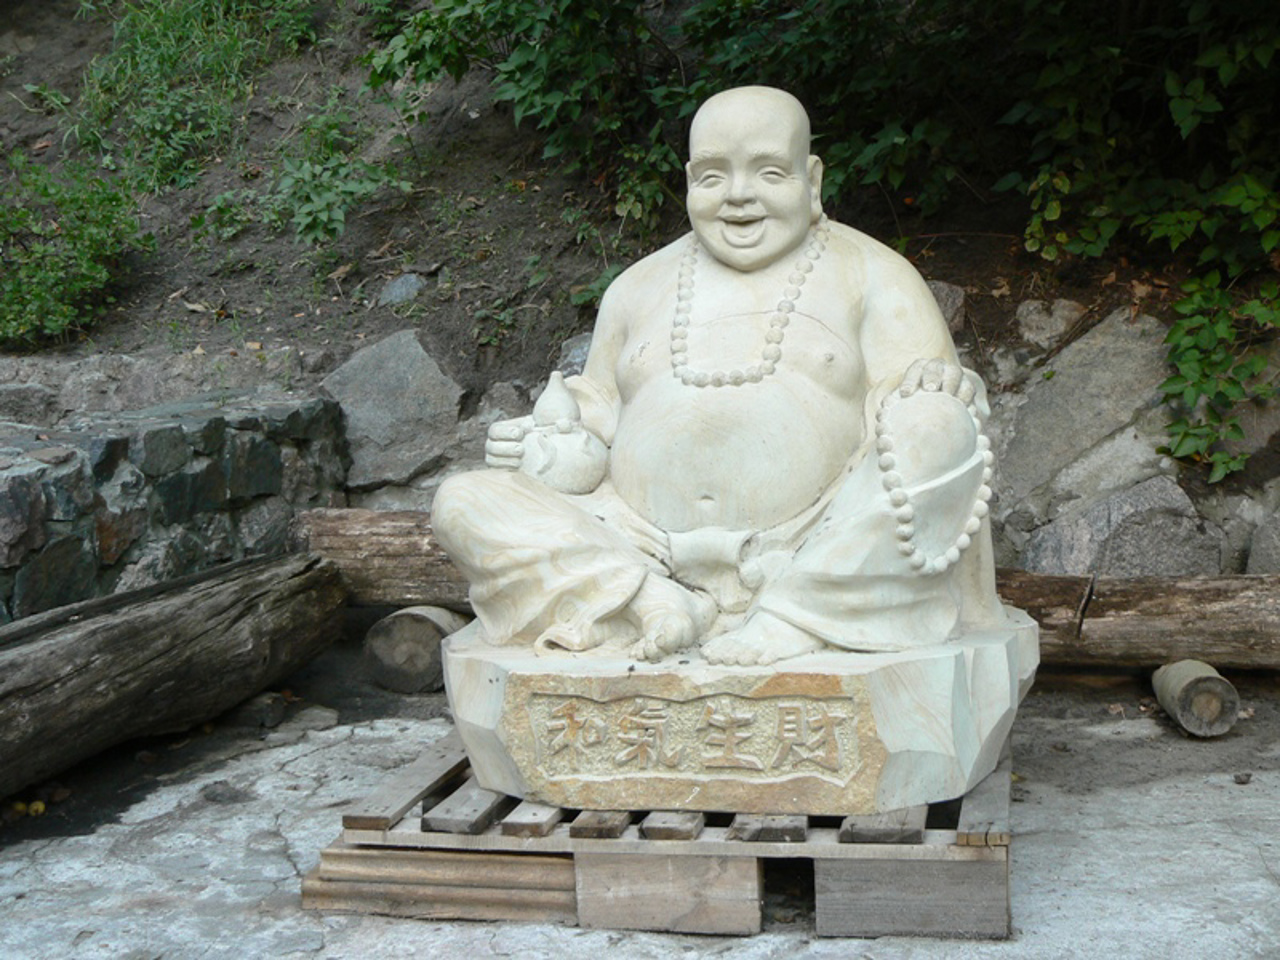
742,458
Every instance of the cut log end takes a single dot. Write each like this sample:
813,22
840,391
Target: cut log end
1197,697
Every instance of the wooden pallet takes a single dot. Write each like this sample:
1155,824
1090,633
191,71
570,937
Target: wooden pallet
431,843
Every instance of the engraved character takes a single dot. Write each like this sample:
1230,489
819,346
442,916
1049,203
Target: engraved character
569,731
725,732
807,734
644,730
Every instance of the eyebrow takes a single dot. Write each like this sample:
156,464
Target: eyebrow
708,156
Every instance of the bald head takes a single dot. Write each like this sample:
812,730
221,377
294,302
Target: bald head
744,106
754,190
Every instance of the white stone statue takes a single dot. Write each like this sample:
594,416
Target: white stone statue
772,457
772,448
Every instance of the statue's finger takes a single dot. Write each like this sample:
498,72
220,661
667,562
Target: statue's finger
931,377
952,376
504,449
911,380
507,430
968,389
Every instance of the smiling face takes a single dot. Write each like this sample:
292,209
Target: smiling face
754,190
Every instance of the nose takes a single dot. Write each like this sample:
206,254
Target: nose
741,187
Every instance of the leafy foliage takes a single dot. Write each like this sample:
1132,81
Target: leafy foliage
61,240
1122,122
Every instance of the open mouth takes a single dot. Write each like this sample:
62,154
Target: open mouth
742,232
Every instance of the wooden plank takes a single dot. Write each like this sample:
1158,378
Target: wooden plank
673,825
893,826
984,811
770,828
881,898
341,861
438,901
385,807
531,819
822,842
718,895
600,824
469,809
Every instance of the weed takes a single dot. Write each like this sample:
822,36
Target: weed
62,240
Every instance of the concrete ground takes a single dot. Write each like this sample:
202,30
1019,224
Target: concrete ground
1131,840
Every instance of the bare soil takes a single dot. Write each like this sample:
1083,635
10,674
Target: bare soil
504,237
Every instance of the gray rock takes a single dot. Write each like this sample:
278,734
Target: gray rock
198,488
1150,530
63,572
264,526
1089,424
162,560
68,488
157,449
400,410
1264,551
264,710
22,511
205,434
1044,324
30,403
401,289
253,466
573,354
951,302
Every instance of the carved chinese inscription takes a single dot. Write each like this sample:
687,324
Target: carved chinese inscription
768,738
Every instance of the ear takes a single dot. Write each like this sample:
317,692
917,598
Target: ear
688,175
815,184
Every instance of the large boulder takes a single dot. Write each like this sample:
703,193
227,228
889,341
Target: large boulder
1086,427
401,410
1149,530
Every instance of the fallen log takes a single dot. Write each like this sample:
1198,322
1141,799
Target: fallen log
85,677
386,558
1232,622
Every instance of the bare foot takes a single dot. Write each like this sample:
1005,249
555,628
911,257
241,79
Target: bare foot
671,617
763,639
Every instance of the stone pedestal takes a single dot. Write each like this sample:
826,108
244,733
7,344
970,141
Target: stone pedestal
830,733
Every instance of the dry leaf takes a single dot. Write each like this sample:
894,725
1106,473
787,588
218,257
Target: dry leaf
197,307
198,351
1001,289
341,271
1139,289
1109,279
1245,714
42,146
253,345
1115,709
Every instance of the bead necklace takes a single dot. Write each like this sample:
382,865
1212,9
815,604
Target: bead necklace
771,353
904,510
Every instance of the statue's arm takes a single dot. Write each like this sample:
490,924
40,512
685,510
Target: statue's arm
596,389
905,342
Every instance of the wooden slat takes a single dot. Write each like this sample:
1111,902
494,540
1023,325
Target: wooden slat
385,807
984,811
769,828
893,826
717,895
531,819
438,901
341,861
600,824
881,898
672,825
469,809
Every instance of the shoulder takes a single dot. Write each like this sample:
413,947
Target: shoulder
871,258
644,276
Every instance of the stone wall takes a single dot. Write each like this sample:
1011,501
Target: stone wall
119,500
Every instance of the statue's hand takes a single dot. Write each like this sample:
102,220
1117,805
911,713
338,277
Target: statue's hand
938,376
504,446
565,456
